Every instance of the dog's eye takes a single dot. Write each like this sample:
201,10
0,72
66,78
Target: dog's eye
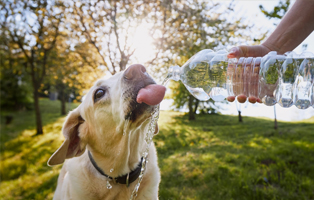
98,94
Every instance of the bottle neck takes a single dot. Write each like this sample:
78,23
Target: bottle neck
174,73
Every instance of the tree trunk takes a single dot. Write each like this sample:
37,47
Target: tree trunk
63,102
239,111
191,110
39,126
63,110
196,105
240,116
275,126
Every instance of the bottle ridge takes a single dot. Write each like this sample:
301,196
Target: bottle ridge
284,79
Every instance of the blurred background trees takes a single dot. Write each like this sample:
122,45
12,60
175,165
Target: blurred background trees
278,11
33,28
62,47
16,92
195,26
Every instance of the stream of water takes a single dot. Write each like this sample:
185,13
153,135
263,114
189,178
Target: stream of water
148,139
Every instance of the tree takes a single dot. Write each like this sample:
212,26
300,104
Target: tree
278,12
34,27
110,25
71,71
193,26
181,97
15,89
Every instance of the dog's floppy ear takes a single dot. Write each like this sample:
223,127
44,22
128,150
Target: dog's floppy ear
72,146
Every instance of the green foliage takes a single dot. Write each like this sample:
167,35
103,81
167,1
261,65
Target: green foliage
193,27
278,11
181,96
290,73
33,28
108,26
15,88
214,157
71,71
178,93
272,71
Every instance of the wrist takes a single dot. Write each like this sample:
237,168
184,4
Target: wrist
268,47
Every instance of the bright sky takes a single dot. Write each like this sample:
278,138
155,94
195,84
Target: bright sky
250,10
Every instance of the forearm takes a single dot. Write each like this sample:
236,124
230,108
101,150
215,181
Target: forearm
295,26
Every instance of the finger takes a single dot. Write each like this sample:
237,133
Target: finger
241,98
231,98
248,51
252,99
234,53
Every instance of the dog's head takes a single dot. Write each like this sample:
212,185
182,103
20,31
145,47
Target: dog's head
126,99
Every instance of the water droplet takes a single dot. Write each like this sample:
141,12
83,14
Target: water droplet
111,170
109,186
148,139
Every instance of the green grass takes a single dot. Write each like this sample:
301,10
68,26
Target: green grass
24,172
214,157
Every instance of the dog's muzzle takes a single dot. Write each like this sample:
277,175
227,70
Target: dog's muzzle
137,75
135,78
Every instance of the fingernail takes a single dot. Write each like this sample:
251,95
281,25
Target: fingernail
233,50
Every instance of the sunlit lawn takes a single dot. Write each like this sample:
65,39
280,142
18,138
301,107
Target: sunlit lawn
214,157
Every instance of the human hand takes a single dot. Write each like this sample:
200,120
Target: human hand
247,51
242,99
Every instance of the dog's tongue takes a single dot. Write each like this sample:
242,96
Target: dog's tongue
151,94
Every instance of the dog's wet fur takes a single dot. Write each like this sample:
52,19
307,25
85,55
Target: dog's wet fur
98,125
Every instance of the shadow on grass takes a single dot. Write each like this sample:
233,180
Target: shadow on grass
215,157
25,120
24,171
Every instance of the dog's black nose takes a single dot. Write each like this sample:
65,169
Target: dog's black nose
135,71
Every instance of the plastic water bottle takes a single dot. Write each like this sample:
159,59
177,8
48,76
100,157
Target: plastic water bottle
284,79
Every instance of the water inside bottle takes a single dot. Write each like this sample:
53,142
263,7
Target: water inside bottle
284,95
269,79
195,79
205,74
304,83
217,74
283,79
254,77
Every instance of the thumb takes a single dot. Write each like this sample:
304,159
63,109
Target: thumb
235,52
248,51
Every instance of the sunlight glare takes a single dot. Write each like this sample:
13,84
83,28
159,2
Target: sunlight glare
143,43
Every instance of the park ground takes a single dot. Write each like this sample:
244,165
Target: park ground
214,157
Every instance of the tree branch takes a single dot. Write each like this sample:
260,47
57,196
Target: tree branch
90,38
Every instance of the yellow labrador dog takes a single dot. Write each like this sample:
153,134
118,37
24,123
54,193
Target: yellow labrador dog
104,140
